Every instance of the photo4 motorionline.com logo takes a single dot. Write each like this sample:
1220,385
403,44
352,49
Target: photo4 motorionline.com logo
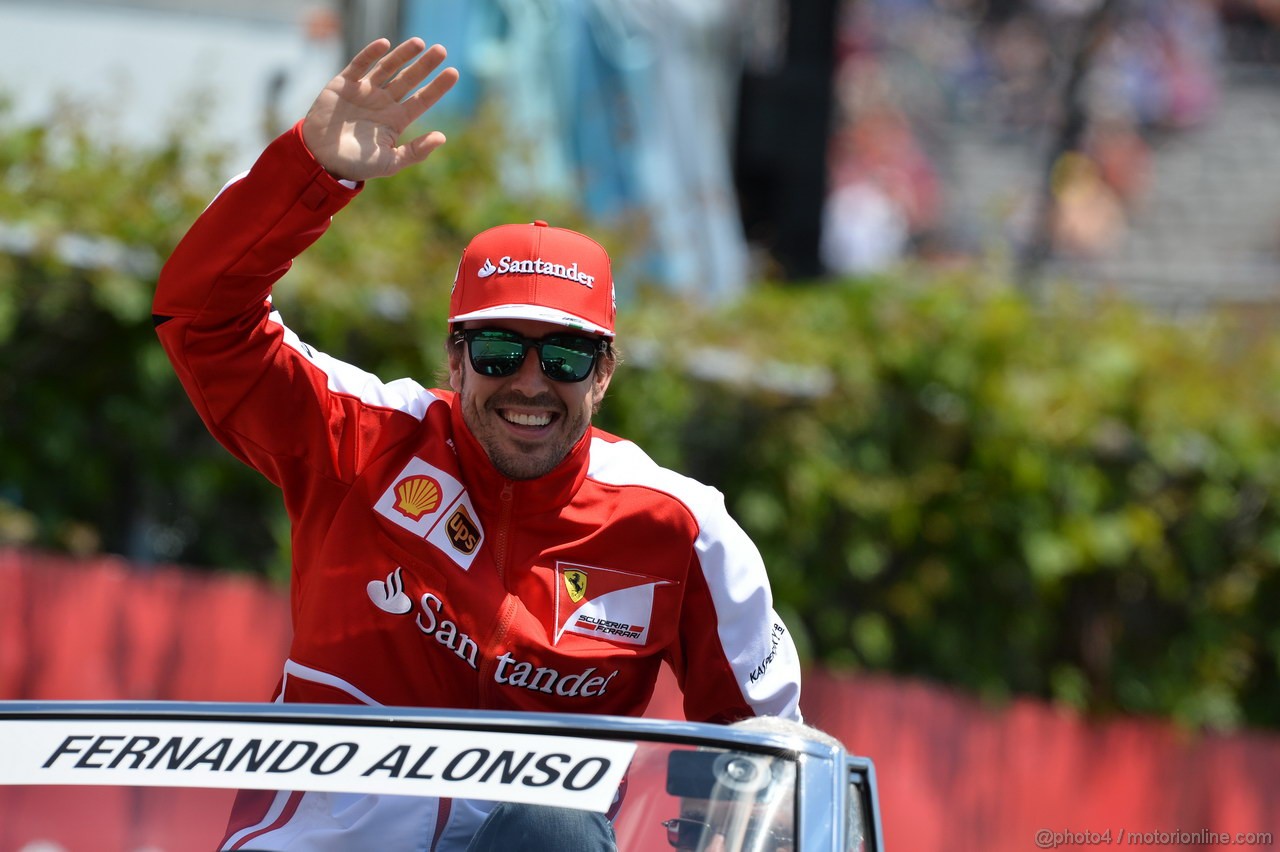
1049,839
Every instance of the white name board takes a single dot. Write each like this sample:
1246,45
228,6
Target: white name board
530,768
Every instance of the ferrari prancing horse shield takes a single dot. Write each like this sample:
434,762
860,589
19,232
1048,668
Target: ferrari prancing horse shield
575,582
617,608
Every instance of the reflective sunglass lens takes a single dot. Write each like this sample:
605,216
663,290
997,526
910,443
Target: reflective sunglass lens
498,353
567,361
496,358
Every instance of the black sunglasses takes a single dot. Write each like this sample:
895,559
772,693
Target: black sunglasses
498,353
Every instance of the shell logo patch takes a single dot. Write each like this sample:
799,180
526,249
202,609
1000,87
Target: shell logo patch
434,506
417,496
616,606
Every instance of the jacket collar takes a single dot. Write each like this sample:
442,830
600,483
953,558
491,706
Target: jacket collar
486,484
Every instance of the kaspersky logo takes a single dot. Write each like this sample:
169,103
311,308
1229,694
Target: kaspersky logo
537,266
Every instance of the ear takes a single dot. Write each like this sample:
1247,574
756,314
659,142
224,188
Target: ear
456,355
600,381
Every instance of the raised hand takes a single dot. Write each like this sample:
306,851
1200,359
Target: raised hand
353,128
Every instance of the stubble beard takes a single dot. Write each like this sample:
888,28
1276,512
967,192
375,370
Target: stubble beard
513,458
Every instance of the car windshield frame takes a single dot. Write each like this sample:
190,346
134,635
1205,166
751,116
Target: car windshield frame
832,786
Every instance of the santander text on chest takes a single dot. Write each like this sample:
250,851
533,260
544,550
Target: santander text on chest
509,671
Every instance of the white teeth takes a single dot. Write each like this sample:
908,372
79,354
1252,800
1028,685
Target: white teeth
527,419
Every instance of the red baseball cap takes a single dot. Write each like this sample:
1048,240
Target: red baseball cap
535,272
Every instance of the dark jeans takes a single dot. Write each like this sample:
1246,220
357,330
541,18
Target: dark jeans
513,827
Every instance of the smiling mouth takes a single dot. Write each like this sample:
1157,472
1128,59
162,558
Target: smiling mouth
521,418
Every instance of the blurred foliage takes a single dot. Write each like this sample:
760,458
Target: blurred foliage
99,447
1071,500
95,436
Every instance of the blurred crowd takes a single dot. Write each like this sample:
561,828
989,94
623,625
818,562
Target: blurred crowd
906,68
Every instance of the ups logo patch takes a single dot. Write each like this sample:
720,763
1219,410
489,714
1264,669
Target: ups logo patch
431,504
463,532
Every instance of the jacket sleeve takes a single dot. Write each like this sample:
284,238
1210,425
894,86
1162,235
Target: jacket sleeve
274,402
736,658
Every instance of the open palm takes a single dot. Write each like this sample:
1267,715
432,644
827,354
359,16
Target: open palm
353,129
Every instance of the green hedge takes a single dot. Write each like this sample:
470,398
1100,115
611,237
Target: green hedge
1072,500
99,447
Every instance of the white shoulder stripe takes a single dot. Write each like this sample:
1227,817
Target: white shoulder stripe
404,395
756,644
624,463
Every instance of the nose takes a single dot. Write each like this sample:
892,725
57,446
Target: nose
529,379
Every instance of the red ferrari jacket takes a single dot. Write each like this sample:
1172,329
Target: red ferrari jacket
422,576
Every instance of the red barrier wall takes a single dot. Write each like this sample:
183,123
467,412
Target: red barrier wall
103,630
955,776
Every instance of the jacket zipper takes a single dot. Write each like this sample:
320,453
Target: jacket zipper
508,609
508,498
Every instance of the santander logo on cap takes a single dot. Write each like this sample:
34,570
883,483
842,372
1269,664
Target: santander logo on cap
535,272
537,266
